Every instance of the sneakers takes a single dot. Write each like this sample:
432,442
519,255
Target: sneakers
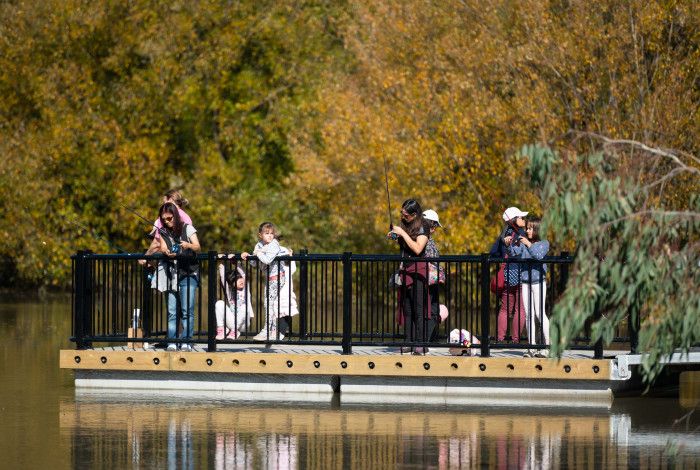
171,347
232,334
543,353
219,332
264,336
186,348
420,351
529,353
406,350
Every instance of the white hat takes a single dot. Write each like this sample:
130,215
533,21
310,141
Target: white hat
432,215
513,212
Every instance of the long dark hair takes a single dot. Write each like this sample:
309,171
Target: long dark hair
413,228
535,224
171,208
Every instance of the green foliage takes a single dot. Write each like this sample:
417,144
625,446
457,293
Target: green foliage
284,110
634,257
109,103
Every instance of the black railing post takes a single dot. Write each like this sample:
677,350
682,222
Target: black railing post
598,347
485,307
633,327
211,301
303,292
564,278
83,301
79,307
347,303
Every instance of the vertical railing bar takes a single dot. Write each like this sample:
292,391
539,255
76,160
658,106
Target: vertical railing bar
485,307
347,303
303,292
211,302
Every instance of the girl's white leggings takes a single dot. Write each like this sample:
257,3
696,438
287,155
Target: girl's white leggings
534,296
224,312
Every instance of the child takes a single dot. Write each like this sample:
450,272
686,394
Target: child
233,313
266,250
534,287
436,273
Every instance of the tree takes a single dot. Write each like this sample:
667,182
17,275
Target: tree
637,256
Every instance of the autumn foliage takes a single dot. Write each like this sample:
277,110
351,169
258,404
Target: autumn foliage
284,110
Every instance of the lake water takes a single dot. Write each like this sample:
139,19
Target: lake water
44,424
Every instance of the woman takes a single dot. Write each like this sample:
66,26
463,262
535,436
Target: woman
179,239
414,299
534,287
511,299
174,196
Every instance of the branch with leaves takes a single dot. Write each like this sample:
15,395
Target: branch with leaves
637,265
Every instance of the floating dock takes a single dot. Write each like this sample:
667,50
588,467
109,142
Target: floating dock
370,374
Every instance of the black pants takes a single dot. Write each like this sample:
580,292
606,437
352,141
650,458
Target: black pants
415,303
434,312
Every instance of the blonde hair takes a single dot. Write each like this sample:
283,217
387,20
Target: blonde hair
176,196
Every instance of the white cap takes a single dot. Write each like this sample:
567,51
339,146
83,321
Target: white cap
432,215
513,212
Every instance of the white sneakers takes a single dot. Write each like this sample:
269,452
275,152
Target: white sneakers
171,347
272,336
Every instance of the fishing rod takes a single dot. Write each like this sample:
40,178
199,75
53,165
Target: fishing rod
392,235
150,224
175,246
97,236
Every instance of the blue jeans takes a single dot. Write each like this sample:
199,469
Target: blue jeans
186,288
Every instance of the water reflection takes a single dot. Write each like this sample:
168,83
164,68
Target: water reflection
122,432
45,424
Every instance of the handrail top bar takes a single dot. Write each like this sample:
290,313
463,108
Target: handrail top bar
339,257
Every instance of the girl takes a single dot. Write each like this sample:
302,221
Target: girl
414,299
266,250
511,300
183,274
534,287
233,313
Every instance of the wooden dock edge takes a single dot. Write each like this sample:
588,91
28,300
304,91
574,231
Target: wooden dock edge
340,365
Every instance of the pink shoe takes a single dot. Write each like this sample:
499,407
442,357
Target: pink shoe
233,334
219,332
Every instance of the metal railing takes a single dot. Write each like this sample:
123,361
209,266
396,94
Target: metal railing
341,300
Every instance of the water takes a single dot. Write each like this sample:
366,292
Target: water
44,424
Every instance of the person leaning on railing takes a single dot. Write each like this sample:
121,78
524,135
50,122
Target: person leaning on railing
414,298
